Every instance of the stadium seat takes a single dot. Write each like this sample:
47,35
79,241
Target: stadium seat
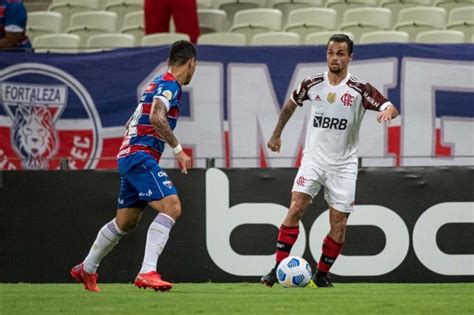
286,6
462,15
363,20
396,5
134,24
102,4
122,7
307,21
204,4
222,39
321,38
384,37
86,24
253,21
163,39
134,18
419,19
275,39
57,43
68,8
36,5
462,19
43,22
109,41
448,5
440,37
58,1
246,4
342,5
212,20
231,7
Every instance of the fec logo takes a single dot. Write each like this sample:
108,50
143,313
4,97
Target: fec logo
46,116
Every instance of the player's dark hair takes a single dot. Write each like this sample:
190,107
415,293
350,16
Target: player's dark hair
342,38
180,52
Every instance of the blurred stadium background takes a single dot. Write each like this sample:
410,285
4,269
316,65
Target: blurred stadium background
102,24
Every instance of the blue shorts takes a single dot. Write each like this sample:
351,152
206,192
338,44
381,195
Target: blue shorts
143,182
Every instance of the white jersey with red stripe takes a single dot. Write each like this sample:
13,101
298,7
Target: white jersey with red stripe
332,137
140,135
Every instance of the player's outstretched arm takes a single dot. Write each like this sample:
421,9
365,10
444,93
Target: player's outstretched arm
159,121
274,143
387,114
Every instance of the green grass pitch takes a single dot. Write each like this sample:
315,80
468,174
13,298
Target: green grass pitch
239,298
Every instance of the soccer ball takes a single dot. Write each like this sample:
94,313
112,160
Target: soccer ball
293,272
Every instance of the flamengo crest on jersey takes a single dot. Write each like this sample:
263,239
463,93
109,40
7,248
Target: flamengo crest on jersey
140,135
332,138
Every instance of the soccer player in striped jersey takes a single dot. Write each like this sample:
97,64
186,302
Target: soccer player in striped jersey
142,181
338,102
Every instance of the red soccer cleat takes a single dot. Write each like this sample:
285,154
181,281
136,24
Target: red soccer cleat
152,280
88,279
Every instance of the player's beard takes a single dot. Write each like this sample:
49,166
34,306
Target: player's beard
336,70
188,80
189,77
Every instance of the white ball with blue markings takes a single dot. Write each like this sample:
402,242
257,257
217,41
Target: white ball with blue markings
293,272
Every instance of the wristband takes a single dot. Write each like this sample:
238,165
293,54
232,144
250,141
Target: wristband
177,149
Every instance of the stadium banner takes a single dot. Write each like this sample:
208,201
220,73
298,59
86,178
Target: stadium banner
73,107
409,225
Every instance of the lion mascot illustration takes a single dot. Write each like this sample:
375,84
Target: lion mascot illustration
34,136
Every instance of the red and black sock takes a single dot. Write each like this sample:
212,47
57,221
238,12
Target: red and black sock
287,236
331,250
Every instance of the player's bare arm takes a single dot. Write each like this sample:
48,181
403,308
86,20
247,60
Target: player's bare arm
159,121
387,114
274,143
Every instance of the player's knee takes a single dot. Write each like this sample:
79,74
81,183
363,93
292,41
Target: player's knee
173,210
128,225
176,211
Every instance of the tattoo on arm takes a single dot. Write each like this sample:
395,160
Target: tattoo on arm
285,115
159,121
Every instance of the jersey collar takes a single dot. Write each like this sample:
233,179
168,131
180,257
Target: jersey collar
326,78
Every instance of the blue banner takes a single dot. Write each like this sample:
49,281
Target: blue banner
73,106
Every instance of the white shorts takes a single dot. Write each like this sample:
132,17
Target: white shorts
339,191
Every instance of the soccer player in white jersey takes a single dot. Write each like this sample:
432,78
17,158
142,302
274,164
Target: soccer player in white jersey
338,102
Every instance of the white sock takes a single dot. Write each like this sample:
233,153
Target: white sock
157,236
108,236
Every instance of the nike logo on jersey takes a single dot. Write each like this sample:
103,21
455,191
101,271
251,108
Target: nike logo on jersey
329,123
